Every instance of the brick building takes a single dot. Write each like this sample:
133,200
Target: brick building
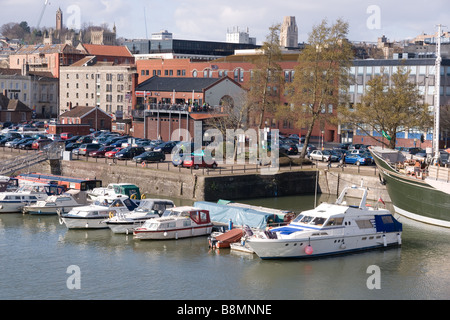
13,110
95,117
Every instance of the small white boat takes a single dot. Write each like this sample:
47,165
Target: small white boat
64,202
11,202
115,189
147,209
176,223
329,229
92,216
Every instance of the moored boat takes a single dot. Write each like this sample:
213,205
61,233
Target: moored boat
12,202
147,209
176,223
115,189
63,202
330,229
419,192
92,216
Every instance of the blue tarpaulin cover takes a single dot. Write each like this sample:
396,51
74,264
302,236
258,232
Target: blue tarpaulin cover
221,213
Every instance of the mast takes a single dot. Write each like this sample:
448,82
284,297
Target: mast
437,96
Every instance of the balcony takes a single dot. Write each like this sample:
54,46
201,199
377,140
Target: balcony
173,109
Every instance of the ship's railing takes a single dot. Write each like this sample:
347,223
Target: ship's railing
439,173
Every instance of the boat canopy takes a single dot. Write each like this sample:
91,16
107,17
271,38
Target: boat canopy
240,216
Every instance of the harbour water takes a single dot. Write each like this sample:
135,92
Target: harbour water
38,254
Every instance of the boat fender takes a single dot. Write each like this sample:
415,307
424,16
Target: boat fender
309,250
343,245
399,238
384,240
382,180
111,214
133,196
143,196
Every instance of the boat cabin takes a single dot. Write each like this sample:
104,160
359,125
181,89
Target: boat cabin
197,215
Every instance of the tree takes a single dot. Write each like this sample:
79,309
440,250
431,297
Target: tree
266,81
320,76
388,109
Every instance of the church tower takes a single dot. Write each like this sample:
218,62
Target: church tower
289,33
59,20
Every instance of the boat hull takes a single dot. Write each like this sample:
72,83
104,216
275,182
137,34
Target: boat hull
124,227
414,198
83,223
323,246
11,207
172,233
45,210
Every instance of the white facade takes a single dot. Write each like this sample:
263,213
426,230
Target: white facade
236,36
106,86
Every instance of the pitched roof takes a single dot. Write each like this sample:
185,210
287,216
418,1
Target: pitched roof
12,104
168,84
81,112
102,50
47,48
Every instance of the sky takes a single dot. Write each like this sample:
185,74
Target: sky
209,20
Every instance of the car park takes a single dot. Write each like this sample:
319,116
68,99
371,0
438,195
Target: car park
359,159
100,153
288,148
129,153
323,155
165,147
198,162
112,153
85,148
150,156
38,144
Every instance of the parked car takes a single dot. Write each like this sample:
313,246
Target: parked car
16,144
129,153
323,155
85,148
38,144
359,159
194,163
111,154
288,148
100,153
150,156
11,142
309,148
165,147
72,146
66,135
85,139
27,145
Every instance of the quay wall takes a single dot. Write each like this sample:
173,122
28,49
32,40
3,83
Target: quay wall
198,187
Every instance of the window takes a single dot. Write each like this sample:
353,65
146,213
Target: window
239,75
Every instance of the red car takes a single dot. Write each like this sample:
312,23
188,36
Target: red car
189,162
101,153
40,143
66,135
112,153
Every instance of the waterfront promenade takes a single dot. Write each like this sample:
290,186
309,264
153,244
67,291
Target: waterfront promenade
236,181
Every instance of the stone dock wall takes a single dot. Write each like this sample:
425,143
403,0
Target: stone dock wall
198,186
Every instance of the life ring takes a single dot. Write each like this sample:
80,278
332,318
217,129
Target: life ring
143,196
111,214
143,164
133,196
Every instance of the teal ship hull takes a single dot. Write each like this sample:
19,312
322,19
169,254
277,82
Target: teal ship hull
414,197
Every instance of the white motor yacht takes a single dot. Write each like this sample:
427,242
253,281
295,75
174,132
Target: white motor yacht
330,229
147,209
92,216
11,202
175,223
64,202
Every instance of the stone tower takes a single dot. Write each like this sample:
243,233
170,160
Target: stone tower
59,20
289,33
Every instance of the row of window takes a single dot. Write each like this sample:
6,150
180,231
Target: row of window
360,89
414,70
109,76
